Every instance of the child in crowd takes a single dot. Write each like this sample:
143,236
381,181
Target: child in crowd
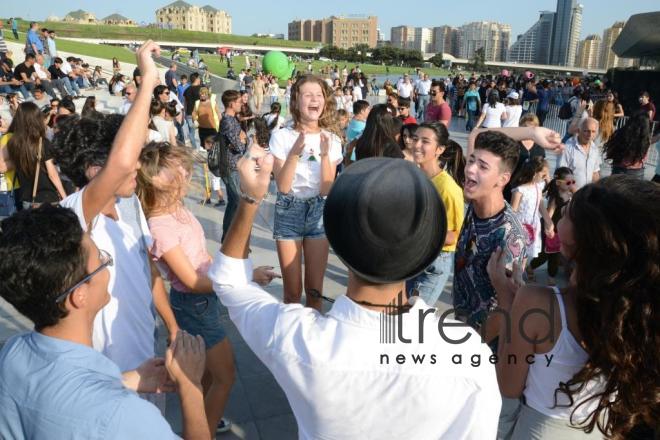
348,99
306,157
179,249
274,119
527,203
359,121
559,192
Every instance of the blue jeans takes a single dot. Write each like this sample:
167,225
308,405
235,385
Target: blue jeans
191,131
297,219
422,102
198,314
471,117
232,186
430,283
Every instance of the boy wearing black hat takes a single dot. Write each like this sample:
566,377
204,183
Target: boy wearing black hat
490,222
385,221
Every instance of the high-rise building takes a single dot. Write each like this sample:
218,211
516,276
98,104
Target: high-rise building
588,53
566,32
423,39
493,37
182,15
608,58
533,47
403,37
446,39
343,32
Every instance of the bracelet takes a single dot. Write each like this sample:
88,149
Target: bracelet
251,200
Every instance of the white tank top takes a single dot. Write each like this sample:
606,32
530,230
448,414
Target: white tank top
568,357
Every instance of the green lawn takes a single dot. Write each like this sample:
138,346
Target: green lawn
73,30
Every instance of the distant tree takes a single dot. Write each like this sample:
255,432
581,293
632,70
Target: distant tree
479,60
436,59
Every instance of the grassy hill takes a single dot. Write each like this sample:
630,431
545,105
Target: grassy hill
73,30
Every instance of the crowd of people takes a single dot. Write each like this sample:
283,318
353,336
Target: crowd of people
98,229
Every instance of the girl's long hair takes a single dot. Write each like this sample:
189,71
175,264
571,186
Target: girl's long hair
453,161
328,120
379,136
604,113
616,227
155,157
528,170
27,127
630,143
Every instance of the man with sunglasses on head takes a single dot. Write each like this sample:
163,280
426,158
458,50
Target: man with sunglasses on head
52,383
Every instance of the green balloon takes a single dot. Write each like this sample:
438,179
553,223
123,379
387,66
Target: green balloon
277,64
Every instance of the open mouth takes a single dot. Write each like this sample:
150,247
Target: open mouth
470,184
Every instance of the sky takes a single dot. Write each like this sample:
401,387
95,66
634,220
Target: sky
258,16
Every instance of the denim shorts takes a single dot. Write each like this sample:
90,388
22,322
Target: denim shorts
198,314
296,219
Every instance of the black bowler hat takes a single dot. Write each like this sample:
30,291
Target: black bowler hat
385,220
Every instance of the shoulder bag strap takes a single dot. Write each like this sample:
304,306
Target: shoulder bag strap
37,170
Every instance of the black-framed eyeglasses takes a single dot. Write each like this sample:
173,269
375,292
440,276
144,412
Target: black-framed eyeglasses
106,261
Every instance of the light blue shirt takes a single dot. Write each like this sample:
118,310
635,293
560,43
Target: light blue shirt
33,38
52,388
52,47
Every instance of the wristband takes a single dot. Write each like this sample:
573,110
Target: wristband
249,199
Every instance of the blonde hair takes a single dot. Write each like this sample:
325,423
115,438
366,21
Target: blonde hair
604,114
155,157
528,118
328,120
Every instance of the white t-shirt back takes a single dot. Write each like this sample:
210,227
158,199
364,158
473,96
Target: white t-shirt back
493,115
513,113
307,180
124,328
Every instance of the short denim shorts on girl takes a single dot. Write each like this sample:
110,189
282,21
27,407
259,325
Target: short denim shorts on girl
296,219
198,314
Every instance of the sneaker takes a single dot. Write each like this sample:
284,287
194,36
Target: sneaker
219,203
205,202
223,426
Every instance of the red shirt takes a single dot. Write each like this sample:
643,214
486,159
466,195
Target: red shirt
438,113
409,120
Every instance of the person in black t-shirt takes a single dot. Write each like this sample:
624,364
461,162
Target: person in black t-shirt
28,132
60,79
25,72
189,97
528,150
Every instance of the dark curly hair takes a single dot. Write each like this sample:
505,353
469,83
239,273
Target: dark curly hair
616,224
84,142
41,255
630,143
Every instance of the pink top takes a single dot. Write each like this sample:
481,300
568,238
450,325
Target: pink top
182,229
438,113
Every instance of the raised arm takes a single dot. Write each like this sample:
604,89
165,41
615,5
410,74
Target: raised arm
544,137
123,160
285,170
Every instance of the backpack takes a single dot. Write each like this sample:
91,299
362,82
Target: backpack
218,157
565,111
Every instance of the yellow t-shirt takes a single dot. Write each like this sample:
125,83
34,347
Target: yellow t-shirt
452,196
9,175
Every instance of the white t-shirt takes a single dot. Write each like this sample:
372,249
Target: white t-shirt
307,180
404,89
163,127
513,113
357,93
124,328
493,115
270,117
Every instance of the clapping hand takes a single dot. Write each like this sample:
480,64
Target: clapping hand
325,144
150,377
298,145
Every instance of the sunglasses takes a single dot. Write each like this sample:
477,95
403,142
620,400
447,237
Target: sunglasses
567,181
106,261
433,93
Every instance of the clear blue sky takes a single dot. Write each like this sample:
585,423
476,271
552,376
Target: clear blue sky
272,16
